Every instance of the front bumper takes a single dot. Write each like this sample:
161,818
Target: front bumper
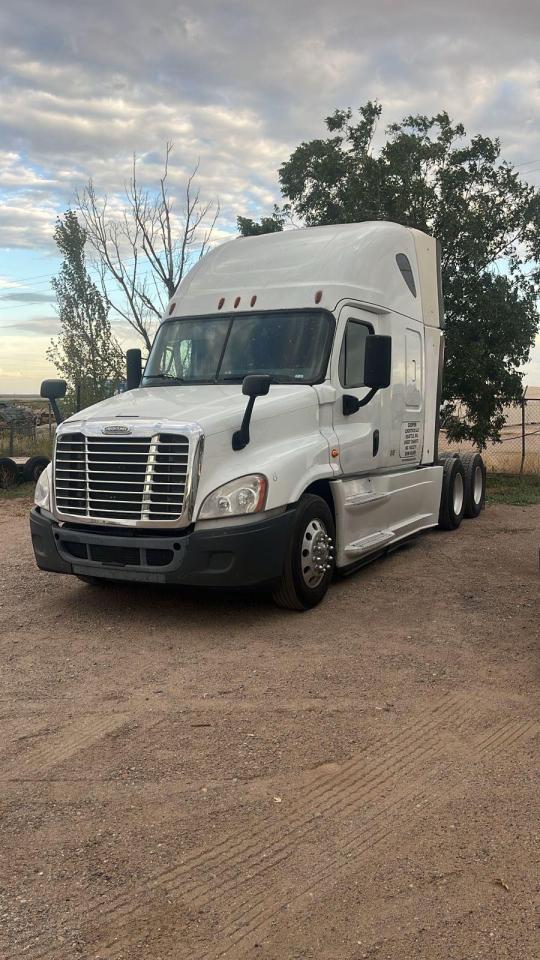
245,555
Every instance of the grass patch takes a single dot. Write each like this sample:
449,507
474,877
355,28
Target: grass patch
518,491
18,491
23,447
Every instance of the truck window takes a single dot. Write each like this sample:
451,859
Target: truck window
188,350
292,346
288,345
405,268
351,358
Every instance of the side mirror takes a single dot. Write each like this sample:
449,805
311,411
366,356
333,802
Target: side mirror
378,361
54,390
377,372
133,368
254,385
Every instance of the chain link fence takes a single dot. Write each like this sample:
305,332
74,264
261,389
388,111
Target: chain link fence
27,428
519,447
16,436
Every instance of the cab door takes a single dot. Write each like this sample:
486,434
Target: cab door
358,434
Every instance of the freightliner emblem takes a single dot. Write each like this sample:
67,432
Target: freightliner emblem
117,429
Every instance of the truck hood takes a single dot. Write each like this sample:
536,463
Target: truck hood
216,407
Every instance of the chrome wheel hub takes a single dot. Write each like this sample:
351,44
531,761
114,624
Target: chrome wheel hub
317,553
458,493
478,485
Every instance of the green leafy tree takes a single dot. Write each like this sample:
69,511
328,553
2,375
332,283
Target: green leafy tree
86,352
273,224
429,175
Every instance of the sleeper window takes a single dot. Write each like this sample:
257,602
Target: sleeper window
353,349
404,265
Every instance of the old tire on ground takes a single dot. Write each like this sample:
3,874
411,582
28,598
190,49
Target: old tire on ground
309,563
34,467
452,494
475,483
8,473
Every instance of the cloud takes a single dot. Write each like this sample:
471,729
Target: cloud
237,86
27,219
7,283
43,326
31,297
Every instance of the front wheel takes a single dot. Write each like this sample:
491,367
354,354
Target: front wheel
309,563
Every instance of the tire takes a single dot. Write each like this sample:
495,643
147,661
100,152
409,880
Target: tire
34,467
303,585
452,505
447,456
8,473
475,484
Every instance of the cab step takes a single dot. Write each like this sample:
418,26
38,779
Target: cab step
371,542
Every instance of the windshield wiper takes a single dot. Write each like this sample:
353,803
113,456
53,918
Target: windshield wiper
274,378
163,376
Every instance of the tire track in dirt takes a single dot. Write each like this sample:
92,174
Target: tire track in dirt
332,792
61,746
209,875
252,917
506,735
221,883
329,783
242,928
256,917
232,850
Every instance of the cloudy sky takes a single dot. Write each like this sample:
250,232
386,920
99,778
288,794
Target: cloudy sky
236,84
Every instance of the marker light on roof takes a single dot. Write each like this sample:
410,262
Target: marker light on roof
171,308
318,296
236,302
220,303
253,300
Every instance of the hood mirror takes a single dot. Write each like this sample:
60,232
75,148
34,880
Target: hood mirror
133,369
255,385
54,390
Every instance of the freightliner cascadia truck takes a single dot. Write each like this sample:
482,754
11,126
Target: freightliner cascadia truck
284,429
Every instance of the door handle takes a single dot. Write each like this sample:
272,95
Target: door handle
375,442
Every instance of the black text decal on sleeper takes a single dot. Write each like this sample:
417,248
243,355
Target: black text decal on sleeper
410,440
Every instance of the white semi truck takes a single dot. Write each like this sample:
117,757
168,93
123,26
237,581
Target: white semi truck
284,429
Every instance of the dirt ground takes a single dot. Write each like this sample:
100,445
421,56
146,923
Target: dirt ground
186,775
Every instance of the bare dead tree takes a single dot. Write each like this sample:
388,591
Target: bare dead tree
143,251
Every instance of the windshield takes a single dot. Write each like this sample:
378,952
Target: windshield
291,346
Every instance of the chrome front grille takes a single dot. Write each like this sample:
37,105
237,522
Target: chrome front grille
133,479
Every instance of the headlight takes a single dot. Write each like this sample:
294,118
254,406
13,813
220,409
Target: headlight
42,493
238,497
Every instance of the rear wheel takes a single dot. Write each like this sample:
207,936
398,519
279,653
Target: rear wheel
8,473
475,483
452,505
309,563
34,467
